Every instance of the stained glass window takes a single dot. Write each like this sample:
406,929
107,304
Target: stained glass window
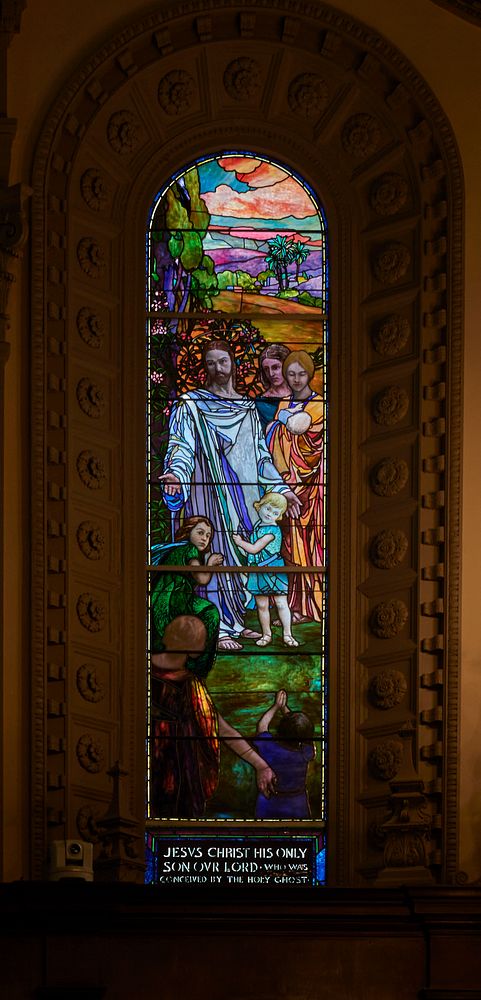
237,304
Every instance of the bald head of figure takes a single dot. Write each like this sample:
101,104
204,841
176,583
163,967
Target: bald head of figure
185,634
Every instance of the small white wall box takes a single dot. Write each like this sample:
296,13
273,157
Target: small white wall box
70,859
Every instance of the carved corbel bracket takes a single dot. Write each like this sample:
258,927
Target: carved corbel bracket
407,830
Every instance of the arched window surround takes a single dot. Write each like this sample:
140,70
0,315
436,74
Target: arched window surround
90,257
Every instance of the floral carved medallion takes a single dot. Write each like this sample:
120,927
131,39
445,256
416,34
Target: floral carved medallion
242,79
90,327
388,548
391,263
90,753
388,618
389,338
91,613
91,540
390,405
176,92
91,257
94,189
308,95
385,760
91,470
90,398
123,132
387,689
389,476
88,683
388,194
361,136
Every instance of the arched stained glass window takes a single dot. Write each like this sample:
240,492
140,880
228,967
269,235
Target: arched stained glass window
237,301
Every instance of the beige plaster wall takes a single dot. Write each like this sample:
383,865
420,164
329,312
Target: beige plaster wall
55,38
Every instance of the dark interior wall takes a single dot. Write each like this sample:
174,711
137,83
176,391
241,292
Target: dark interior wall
83,942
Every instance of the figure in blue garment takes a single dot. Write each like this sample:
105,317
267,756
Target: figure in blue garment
264,550
288,754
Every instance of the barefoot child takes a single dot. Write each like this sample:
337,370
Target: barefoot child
264,549
288,754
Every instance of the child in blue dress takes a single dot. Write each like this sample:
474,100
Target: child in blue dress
288,754
264,549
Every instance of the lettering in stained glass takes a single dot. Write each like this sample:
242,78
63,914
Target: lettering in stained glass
237,304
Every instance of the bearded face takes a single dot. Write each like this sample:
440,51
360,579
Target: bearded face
219,367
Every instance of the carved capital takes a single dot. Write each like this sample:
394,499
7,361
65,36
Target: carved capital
407,830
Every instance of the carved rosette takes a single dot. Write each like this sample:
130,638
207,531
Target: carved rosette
91,470
308,95
388,618
389,476
387,689
176,92
91,257
90,753
361,136
94,189
390,405
87,824
391,336
388,548
91,613
90,327
123,132
91,540
385,760
88,683
388,194
391,263
90,398
242,79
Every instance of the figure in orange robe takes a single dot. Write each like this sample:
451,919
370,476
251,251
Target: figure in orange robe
296,442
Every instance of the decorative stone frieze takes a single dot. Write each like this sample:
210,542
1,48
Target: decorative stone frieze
388,619
242,79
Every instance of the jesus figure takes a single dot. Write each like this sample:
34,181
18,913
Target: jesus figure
217,464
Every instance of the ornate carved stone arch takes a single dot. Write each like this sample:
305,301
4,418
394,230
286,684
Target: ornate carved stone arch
323,94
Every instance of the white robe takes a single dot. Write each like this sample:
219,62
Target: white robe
218,452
